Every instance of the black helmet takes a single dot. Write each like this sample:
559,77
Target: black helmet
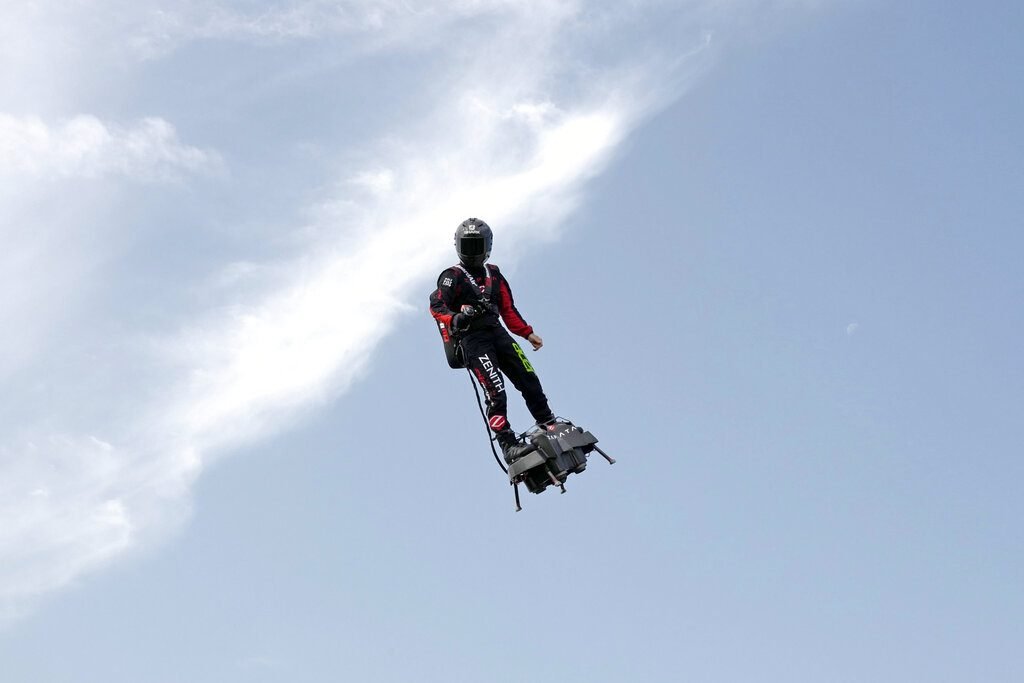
473,242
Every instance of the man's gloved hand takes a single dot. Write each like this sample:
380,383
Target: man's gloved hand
467,312
460,320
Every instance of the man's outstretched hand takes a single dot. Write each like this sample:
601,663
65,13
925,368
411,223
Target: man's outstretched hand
536,341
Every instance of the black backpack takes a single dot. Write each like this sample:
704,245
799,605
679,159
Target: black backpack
449,337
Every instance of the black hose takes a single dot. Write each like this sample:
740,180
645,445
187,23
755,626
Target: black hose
480,405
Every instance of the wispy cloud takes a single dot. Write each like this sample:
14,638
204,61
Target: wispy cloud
513,127
364,23
86,147
61,511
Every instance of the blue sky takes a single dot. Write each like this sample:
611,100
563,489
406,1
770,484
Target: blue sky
772,248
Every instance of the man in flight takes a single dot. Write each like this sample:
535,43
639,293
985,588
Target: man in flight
471,300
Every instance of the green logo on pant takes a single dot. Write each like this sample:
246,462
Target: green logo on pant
522,357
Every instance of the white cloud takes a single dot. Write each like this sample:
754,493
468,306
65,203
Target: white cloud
394,23
380,182
58,182
62,514
85,147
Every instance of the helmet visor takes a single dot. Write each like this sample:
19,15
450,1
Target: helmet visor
472,245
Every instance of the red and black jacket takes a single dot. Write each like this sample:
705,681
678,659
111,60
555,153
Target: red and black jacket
457,287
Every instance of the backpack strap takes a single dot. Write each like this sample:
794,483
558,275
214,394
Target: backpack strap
484,293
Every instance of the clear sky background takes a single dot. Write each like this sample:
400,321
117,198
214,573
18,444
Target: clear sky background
773,249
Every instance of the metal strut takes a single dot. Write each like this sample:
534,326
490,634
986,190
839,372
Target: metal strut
610,459
554,479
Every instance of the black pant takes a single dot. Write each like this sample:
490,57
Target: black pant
488,354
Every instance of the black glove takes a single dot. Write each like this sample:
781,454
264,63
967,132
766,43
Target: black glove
460,321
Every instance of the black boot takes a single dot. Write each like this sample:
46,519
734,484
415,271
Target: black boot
512,447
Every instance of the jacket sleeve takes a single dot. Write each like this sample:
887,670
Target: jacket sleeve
442,300
509,313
